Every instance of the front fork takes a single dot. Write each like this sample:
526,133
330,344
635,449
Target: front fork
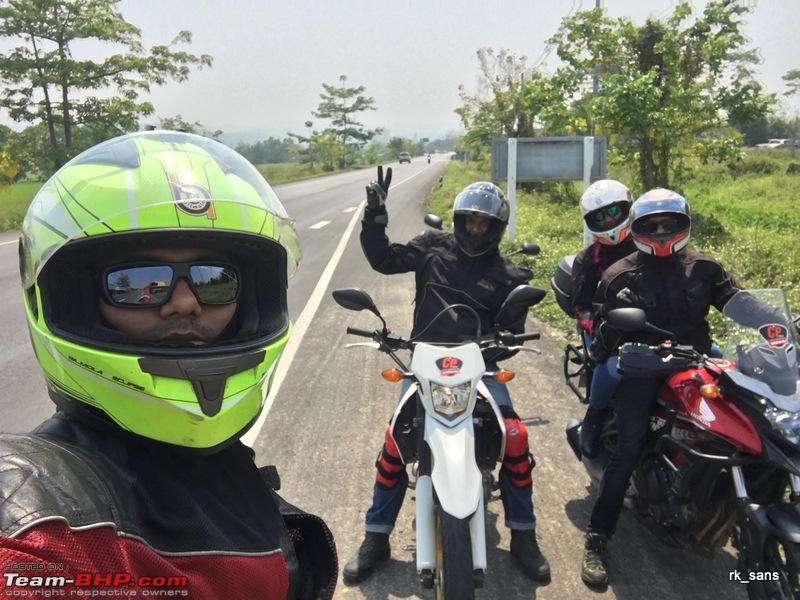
426,505
757,522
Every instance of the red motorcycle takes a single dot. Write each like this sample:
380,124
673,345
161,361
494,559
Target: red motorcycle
722,458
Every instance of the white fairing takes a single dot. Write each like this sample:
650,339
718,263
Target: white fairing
424,365
455,480
455,474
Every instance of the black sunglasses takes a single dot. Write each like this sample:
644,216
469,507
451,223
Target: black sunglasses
612,211
151,284
669,225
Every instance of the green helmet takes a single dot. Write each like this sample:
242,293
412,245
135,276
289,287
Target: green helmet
150,190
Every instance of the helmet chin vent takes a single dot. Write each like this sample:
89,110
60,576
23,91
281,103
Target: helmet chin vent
207,375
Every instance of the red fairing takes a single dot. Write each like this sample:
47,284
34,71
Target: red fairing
98,558
716,415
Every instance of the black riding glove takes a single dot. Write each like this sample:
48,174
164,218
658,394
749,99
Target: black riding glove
378,190
626,297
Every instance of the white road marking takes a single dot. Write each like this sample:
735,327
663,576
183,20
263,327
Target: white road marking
303,322
320,225
301,327
351,209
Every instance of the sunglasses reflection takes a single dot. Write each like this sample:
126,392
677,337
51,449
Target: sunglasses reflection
152,284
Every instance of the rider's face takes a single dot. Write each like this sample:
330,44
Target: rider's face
182,319
476,225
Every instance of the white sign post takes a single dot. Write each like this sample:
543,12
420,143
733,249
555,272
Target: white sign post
588,163
512,189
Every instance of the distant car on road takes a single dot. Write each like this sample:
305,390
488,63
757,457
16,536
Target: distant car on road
777,143
405,157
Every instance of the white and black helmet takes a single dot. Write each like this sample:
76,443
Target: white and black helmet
607,197
483,199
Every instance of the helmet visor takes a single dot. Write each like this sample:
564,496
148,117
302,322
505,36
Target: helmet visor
477,201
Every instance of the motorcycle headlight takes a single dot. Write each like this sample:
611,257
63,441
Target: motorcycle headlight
450,401
784,422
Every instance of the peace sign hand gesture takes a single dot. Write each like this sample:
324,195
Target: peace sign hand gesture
378,190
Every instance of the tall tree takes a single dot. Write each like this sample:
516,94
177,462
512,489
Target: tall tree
667,90
497,108
340,104
43,82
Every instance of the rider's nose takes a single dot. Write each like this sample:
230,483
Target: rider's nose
182,301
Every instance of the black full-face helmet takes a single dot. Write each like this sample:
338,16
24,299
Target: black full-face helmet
482,199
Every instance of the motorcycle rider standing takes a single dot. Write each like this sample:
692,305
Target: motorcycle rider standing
140,472
461,267
605,207
676,287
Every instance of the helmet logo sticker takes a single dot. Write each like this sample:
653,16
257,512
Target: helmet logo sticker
192,199
449,366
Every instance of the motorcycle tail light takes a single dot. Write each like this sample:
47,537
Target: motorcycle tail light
710,391
450,401
392,375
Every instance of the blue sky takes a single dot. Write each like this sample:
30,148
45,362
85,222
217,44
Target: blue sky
272,56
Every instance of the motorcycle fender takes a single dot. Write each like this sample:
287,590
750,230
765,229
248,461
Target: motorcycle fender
426,534
456,477
780,520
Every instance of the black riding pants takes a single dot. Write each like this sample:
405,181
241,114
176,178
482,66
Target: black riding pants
633,403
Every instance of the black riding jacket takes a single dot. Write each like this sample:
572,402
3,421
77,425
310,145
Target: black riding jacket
677,292
588,267
445,275
85,504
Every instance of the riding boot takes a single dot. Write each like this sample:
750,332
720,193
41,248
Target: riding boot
590,431
525,549
593,570
374,550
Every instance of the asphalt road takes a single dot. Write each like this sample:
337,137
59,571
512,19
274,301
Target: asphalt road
324,425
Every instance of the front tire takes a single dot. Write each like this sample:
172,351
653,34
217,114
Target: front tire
781,558
454,577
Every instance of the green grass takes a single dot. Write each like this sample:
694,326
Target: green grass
14,201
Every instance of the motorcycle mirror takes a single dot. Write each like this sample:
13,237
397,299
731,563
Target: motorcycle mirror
530,249
355,299
433,221
627,319
521,296
526,248
634,319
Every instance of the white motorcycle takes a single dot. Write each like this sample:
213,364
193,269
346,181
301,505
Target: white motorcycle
449,424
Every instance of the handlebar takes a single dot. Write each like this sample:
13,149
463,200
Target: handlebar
360,332
504,339
522,337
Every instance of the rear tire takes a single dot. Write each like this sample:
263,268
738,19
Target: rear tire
454,577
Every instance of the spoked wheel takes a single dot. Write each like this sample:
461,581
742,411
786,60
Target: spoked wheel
453,559
779,578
